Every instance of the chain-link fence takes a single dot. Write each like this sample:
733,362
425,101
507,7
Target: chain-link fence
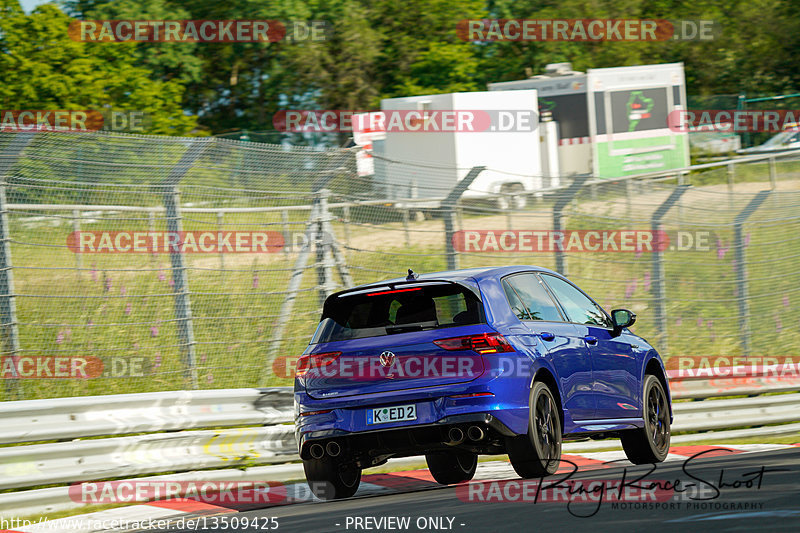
706,259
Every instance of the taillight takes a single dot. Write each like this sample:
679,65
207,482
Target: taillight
483,343
317,360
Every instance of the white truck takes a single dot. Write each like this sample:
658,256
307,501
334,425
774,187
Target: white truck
505,138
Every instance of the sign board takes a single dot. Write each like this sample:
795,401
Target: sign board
613,121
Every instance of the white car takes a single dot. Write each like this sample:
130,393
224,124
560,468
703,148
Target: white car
782,142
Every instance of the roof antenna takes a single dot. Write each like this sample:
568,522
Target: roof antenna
411,275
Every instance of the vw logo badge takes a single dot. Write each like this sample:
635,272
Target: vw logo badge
386,358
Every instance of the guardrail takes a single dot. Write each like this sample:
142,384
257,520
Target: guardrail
119,414
85,460
699,383
735,412
179,438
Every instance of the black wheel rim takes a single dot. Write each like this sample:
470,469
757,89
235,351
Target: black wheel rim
465,461
658,417
349,475
546,428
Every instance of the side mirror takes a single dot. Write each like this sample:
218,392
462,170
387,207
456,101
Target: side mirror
622,318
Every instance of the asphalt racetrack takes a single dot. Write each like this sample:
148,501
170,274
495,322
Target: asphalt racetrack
709,492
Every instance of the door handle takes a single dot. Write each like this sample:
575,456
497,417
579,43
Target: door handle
590,340
547,336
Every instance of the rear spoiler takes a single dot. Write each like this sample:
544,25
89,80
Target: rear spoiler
394,285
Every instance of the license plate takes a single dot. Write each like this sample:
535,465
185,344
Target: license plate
399,413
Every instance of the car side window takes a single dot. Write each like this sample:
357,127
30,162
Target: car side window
513,300
579,307
534,298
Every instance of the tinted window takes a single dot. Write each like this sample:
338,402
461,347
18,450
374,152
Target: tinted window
570,111
534,298
385,311
513,300
579,307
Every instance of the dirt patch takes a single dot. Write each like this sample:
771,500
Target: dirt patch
699,205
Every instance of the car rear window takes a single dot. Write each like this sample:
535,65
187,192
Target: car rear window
385,311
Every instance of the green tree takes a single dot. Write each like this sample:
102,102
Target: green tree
166,62
420,50
43,68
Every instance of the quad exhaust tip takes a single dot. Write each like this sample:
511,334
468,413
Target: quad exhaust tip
475,433
333,448
456,436
316,451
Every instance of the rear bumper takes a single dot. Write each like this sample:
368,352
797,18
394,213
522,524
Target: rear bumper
503,418
372,447
486,419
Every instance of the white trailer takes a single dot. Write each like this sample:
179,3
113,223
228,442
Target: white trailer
428,164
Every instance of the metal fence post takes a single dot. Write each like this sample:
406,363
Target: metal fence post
183,309
448,210
8,304
681,181
741,268
558,225
449,231
287,237
658,285
324,253
346,223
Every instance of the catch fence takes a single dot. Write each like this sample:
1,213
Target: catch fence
719,278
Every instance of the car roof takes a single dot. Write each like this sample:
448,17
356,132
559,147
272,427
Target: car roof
477,274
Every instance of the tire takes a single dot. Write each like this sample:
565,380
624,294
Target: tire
330,480
538,453
650,444
451,467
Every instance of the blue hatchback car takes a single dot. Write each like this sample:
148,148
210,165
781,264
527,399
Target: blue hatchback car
455,364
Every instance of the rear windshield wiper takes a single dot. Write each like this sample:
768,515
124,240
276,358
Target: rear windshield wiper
419,326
